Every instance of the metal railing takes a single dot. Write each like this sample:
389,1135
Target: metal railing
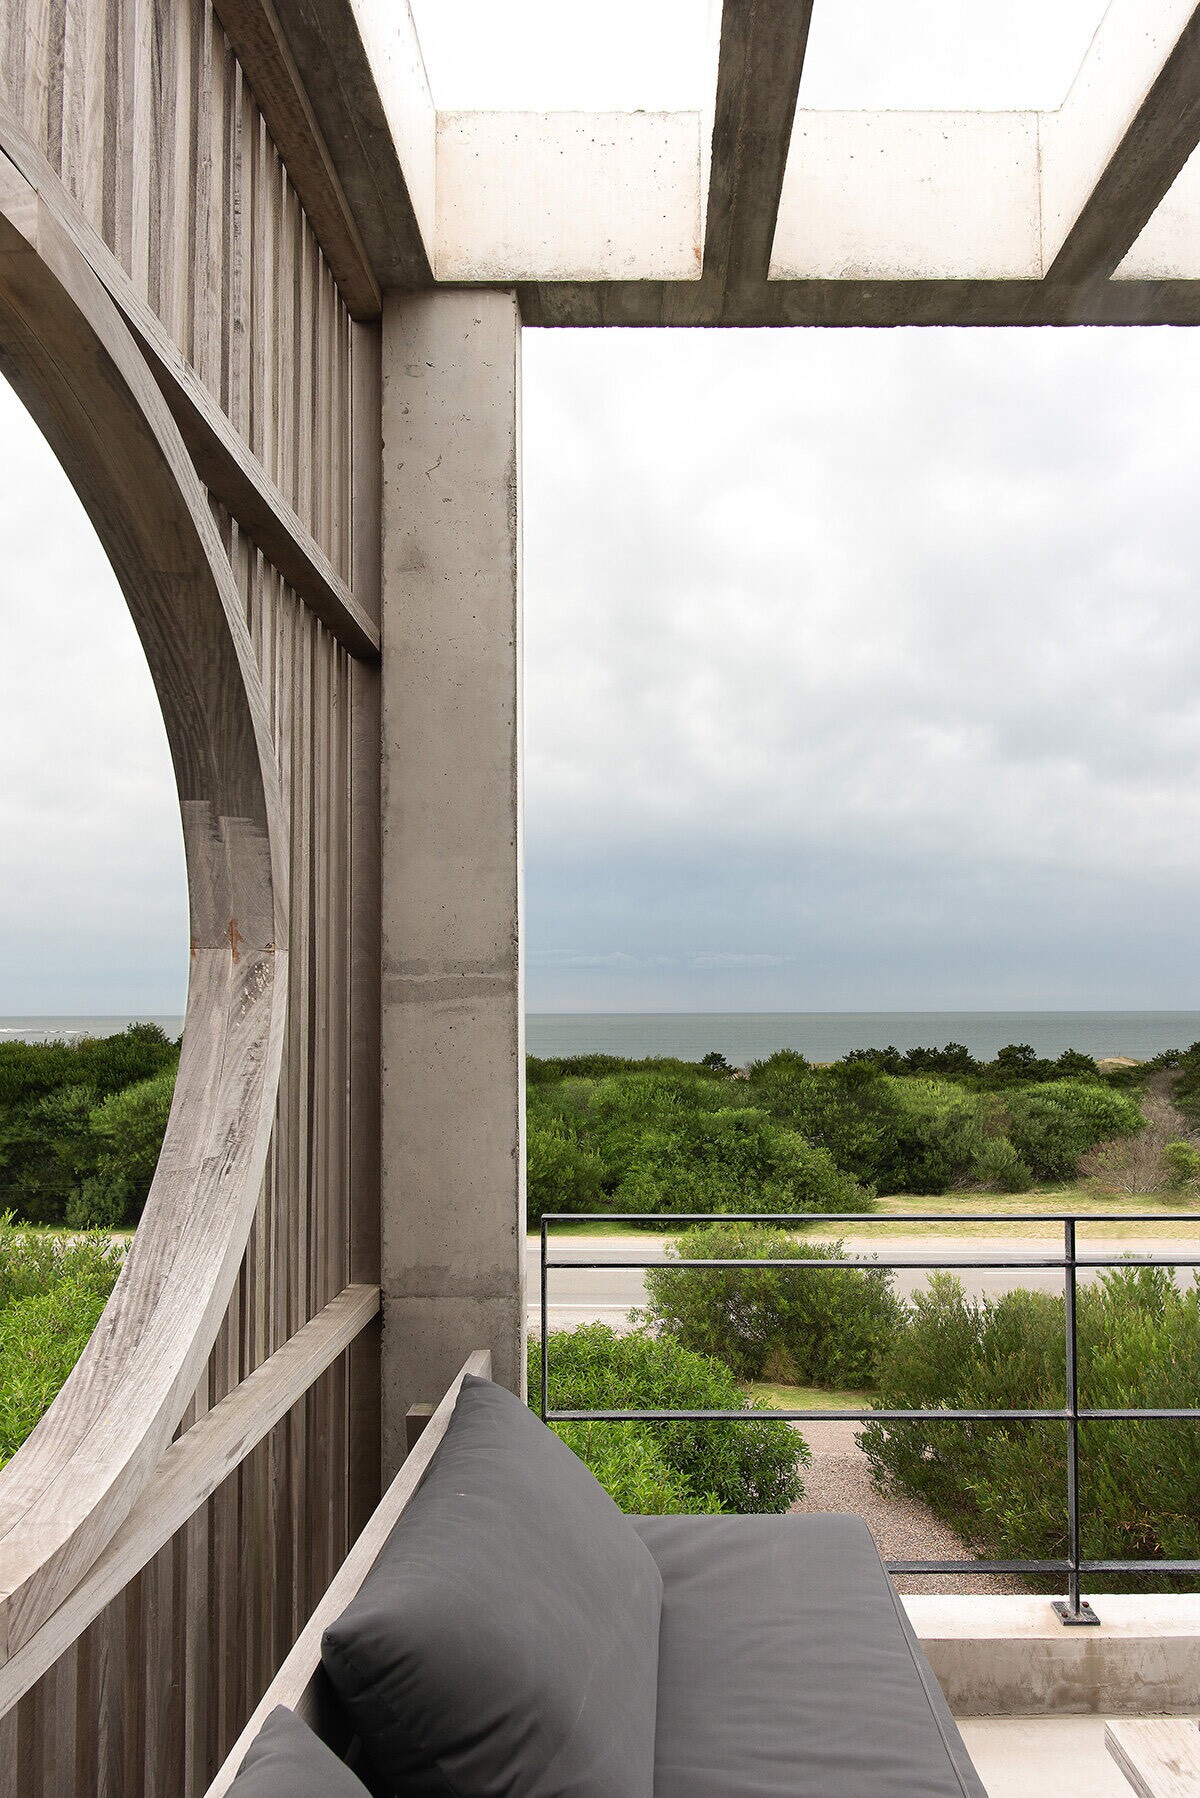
1072,1610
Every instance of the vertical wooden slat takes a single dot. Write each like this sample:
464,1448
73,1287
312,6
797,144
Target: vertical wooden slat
56,29
141,149
84,72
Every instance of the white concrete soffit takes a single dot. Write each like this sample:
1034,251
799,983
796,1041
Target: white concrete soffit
1077,195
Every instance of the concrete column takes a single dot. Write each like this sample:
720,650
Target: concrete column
453,1098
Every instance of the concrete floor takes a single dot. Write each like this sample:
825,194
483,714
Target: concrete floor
1043,1757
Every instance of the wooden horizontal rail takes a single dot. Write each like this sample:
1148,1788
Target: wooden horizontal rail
298,1682
224,462
190,1471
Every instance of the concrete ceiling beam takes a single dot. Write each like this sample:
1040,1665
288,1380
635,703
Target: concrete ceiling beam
760,61
254,30
365,78
1125,130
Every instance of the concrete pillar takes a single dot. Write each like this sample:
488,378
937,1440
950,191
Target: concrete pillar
453,1086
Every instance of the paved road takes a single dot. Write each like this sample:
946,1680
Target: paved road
608,1294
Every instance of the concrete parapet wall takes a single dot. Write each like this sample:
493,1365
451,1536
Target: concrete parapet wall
1007,1657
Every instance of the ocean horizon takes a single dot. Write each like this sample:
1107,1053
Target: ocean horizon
751,1036
828,1035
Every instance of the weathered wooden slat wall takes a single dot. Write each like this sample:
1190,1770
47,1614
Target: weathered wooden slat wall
144,1700
142,109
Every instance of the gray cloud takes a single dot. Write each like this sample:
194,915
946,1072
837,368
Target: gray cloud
93,907
869,652
861,672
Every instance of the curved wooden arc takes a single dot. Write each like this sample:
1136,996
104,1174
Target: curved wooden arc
65,349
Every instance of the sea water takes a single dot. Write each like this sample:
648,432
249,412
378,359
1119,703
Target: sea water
828,1035
749,1036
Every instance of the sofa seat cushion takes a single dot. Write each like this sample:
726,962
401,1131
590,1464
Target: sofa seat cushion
788,1669
506,1639
286,1760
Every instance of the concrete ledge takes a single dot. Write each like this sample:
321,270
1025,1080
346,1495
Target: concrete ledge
1005,1657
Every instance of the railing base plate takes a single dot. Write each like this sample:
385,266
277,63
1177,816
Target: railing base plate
1075,1619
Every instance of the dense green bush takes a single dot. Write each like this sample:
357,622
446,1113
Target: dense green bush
821,1328
81,1125
684,1466
672,1137
672,1140
1004,1484
899,1133
1015,1064
1186,1091
1183,1164
52,1291
1052,1125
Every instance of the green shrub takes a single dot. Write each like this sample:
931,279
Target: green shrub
560,1175
103,1202
1053,1124
671,1140
129,1127
52,1291
709,1465
631,1467
1003,1484
820,1328
1186,1089
32,1262
1183,1163
999,1168
41,1338
70,1114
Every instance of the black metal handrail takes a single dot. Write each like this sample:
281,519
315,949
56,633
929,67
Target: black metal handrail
1072,1610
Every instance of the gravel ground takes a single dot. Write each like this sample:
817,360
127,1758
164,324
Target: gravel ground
839,1479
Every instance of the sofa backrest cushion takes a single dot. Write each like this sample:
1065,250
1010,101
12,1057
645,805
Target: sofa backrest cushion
506,1639
286,1760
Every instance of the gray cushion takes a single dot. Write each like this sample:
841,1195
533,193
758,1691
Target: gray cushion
506,1640
286,1760
787,1667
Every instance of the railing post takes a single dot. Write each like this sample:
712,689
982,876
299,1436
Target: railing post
1073,1610
545,1344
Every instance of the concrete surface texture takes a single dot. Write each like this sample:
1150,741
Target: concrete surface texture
453,1088
757,210
1043,1757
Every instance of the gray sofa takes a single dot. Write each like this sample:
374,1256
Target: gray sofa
515,1634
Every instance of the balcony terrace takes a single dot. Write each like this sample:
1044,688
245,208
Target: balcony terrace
265,301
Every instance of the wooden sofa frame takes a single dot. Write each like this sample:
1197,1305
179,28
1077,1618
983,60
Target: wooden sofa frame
300,1683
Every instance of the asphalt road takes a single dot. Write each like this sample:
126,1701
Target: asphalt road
579,1295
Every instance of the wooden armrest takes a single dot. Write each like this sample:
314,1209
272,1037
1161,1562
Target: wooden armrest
1159,1756
300,1682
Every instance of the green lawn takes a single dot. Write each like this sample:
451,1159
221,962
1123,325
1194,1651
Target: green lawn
952,1206
807,1398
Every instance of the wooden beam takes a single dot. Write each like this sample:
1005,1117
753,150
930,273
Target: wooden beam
1125,130
259,43
298,1683
758,78
235,477
1159,1756
228,468
190,1472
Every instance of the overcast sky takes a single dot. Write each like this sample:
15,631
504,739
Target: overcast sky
862,668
